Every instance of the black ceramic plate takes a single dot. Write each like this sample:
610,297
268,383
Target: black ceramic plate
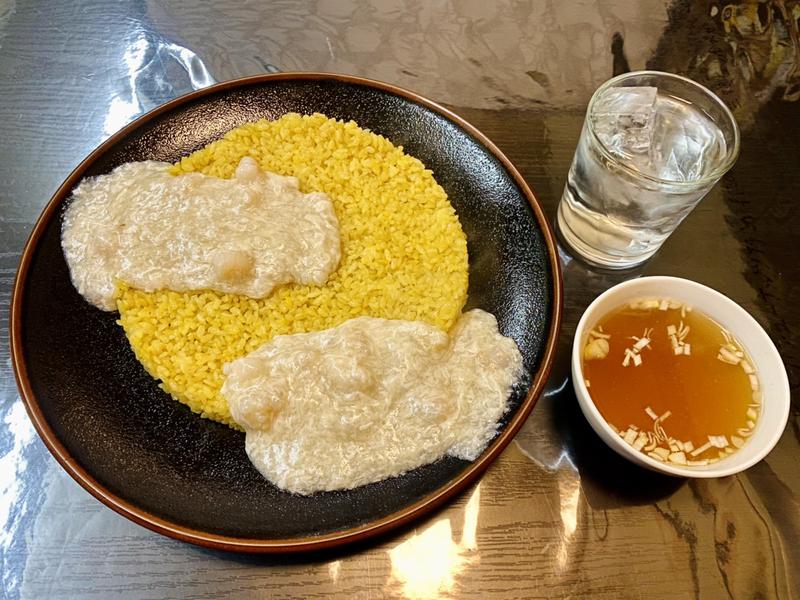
147,456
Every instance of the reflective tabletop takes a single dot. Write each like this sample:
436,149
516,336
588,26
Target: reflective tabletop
558,514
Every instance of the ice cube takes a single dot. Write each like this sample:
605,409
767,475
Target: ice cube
686,143
623,119
672,170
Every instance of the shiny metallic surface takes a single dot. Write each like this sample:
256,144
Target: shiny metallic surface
558,514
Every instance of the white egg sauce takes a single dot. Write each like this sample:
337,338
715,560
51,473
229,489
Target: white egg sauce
370,399
153,230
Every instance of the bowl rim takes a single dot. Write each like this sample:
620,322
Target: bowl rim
592,413
287,545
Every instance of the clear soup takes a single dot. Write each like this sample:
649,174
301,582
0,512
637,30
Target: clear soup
672,381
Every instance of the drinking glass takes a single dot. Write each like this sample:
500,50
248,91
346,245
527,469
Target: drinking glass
653,144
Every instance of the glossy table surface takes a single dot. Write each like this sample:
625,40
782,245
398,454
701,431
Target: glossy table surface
558,514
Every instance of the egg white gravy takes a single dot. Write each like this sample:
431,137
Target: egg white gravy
152,230
370,399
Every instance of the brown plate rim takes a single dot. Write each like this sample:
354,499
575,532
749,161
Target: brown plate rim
329,540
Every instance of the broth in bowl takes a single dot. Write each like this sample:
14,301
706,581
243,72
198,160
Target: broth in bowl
671,381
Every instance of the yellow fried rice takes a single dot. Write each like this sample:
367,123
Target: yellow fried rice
404,256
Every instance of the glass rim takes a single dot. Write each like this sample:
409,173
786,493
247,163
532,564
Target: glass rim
714,175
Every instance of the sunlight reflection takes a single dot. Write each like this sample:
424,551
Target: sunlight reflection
563,458
144,61
564,255
569,495
469,539
333,570
122,111
12,466
427,564
199,77
557,390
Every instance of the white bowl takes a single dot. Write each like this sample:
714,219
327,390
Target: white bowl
771,372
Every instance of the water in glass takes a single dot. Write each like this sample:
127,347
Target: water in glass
642,164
